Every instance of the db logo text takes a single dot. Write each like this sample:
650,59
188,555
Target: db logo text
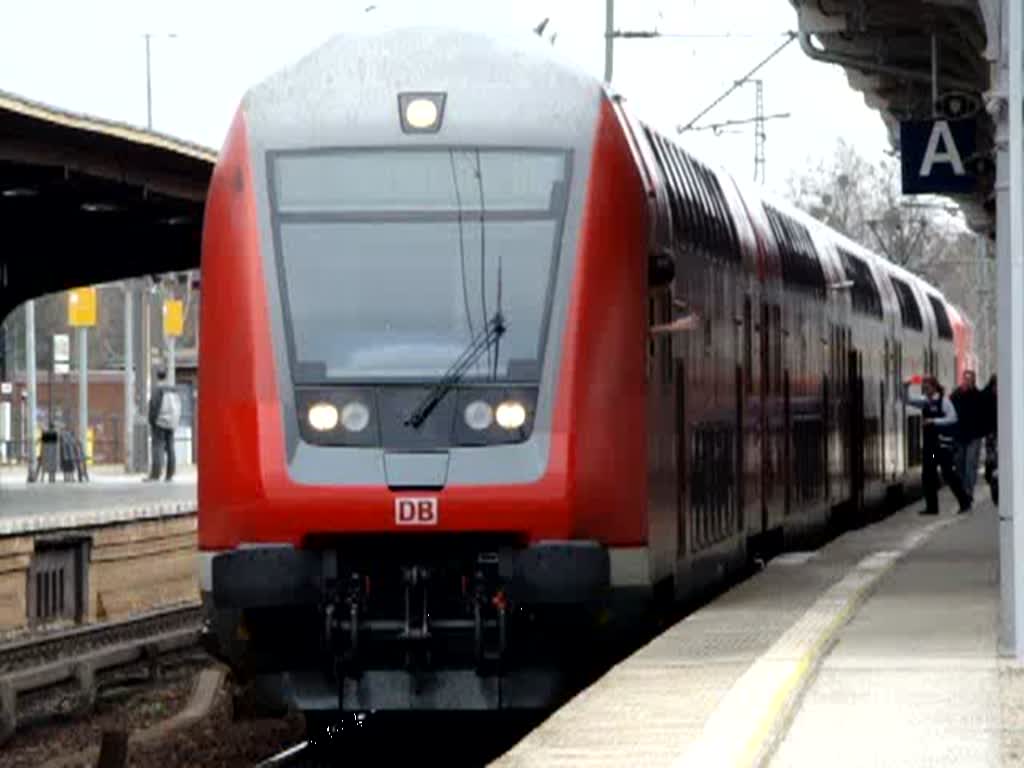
415,511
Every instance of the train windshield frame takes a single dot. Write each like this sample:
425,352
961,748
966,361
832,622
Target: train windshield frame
453,234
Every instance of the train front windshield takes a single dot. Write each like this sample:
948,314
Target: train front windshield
392,261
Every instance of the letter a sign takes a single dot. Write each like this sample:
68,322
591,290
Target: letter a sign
938,156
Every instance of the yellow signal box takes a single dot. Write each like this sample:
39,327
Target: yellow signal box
174,317
82,308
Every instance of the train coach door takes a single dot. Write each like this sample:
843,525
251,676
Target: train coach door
855,387
766,441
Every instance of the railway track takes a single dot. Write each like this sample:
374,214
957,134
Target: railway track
71,660
289,758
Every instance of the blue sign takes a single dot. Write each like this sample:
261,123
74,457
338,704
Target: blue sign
938,156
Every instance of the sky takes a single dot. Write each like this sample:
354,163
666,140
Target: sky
89,56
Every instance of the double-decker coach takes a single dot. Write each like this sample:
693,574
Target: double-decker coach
490,367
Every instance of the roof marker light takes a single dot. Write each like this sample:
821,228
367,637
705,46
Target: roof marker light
421,112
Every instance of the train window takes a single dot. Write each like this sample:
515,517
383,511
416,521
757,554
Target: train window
748,345
341,329
866,299
425,180
766,357
660,173
692,230
700,186
801,265
699,203
941,318
802,331
682,222
694,203
778,351
909,310
699,194
732,244
720,217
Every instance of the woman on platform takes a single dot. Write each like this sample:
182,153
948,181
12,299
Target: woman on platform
939,427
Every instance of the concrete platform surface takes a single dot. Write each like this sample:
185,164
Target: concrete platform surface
110,496
914,680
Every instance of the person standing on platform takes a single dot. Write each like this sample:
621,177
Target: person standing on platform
990,410
164,416
968,402
940,422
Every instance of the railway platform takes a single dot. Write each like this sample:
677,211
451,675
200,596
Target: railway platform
878,649
106,550
109,497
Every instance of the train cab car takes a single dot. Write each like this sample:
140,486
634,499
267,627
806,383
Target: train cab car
492,370
427,418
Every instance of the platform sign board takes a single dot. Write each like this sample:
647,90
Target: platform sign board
174,318
938,156
82,308
61,353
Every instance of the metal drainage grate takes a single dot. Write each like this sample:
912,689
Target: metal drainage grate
57,576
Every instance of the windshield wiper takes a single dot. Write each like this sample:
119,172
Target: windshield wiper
479,344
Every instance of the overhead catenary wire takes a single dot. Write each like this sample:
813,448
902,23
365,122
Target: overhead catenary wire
790,37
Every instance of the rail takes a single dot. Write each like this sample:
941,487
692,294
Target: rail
288,757
79,654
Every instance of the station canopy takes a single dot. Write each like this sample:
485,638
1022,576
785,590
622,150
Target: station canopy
886,48
84,201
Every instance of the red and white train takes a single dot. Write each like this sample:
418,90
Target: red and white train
488,364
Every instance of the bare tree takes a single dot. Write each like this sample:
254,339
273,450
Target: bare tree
863,200
926,235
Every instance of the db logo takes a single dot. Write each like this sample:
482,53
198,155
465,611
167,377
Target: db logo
415,511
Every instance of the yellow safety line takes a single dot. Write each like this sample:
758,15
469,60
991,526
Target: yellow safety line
755,750
755,746
96,125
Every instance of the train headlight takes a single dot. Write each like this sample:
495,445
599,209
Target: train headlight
510,415
323,417
479,415
355,417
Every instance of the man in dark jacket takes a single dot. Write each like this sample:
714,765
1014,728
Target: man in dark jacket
969,404
991,428
164,412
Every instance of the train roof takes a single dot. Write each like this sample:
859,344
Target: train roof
311,102
349,87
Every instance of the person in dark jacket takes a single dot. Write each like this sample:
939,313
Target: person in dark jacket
162,433
940,422
990,410
969,404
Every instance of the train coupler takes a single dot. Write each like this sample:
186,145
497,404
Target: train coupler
490,614
342,626
416,633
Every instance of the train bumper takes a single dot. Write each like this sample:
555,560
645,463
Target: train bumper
266,609
545,573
